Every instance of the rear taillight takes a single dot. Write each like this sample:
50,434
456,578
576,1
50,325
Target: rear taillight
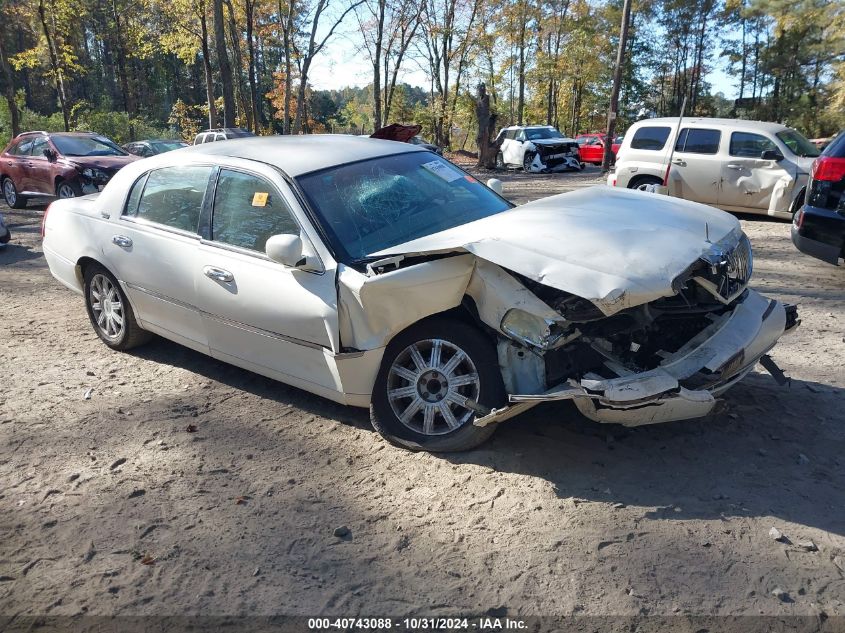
44,221
828,169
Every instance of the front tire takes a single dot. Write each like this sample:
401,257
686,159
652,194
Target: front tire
10,193
500,161
427,373
110,312
68,189
527,161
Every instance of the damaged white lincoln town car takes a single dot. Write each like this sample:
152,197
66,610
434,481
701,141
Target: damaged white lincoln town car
378,274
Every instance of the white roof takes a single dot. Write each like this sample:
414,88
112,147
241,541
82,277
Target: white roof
297,155
720,123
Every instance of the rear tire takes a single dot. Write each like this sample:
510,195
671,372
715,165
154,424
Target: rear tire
500,161
425,372
110,312
10,193
641,182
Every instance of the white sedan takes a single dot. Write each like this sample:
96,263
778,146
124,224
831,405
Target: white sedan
379,275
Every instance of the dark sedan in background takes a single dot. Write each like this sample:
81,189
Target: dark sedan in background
818,228
58,165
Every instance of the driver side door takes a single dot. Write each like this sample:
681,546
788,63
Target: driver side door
257,313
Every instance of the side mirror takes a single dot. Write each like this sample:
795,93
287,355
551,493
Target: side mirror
496,185
285,249
50,154
771,154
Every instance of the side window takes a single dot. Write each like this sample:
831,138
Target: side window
520,135
23,147
38,146
172,196
648,137
247,211
135,197
747,145
219,137
698,141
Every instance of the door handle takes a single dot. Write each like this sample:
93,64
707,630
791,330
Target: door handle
679,161
734,166
218,274
122,241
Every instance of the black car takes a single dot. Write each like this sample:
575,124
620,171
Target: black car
818,228
153,146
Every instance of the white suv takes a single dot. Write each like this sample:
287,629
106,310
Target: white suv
537,148
746,166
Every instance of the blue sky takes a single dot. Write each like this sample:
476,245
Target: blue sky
341,65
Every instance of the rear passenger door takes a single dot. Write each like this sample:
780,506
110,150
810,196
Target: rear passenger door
696,165
152,249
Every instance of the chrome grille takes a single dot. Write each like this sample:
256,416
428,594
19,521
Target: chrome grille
737,269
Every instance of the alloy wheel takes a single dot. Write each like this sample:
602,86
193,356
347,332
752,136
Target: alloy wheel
107,306
9,192
66,191
428,386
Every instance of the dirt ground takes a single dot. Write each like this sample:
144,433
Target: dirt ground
109,506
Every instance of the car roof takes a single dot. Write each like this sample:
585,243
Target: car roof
765,126
298,155
526,127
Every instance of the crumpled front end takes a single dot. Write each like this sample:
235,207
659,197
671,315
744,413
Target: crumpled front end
685,383
554,157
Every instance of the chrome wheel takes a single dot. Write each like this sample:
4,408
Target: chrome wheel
428,386
9,192
66,191
106,306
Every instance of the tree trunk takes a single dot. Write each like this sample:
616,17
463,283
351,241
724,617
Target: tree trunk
486,129
209,76
225,68
617,81
54,64
250,46
10,91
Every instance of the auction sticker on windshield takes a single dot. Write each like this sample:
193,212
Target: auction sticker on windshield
445,172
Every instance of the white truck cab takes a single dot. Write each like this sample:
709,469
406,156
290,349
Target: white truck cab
736,165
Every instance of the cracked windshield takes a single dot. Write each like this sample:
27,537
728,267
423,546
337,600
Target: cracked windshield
372,205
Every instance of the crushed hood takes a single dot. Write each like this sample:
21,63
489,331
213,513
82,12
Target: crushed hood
616,247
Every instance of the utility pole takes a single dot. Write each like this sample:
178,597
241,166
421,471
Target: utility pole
617,81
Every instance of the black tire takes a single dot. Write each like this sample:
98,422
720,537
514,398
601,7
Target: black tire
798,202
641,181
10,190
490,388
68,186
130,334
500,161
527,159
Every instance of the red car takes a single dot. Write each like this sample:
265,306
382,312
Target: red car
60,165
591,147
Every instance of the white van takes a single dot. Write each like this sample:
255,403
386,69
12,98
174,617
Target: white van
746,166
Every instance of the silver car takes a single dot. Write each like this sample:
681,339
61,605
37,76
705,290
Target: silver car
380,275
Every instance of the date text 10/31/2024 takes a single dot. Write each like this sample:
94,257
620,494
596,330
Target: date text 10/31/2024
417,624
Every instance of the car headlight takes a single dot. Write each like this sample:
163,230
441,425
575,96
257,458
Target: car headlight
95,174
528,328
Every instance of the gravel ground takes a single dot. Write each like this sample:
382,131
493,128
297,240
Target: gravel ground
110,506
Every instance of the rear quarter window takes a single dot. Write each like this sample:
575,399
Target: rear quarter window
698,141
650,137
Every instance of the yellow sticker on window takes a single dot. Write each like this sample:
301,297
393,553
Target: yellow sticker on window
260,199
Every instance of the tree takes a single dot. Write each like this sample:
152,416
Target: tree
313,48
223,62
